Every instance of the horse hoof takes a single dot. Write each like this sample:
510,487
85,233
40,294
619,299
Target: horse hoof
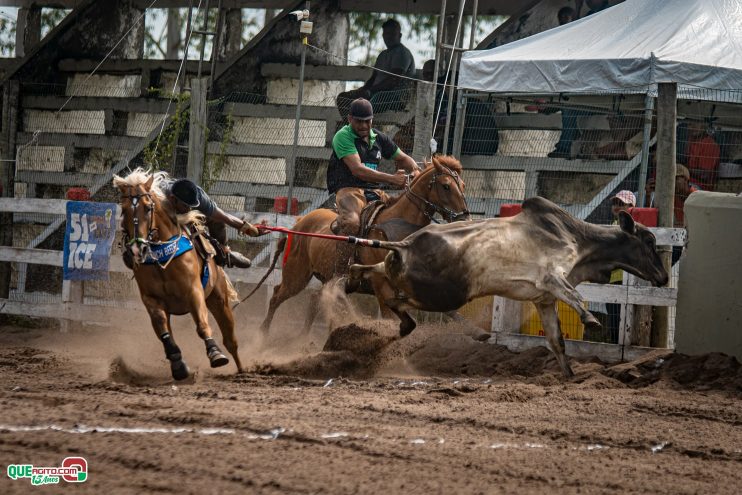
218,360
179,369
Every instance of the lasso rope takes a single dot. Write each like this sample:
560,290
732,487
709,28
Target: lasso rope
343,238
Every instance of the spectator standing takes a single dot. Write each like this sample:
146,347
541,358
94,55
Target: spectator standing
703,154
563,148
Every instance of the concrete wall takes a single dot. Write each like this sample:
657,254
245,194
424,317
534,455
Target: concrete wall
709,311
259,130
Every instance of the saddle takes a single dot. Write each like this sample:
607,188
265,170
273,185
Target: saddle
206,246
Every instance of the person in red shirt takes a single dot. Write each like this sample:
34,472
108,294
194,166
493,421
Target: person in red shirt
703,156
683,189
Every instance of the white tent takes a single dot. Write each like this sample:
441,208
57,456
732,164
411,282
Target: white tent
628,48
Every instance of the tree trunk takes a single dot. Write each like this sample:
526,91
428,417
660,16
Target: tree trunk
173,34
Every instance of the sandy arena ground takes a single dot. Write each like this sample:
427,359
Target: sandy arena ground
436,412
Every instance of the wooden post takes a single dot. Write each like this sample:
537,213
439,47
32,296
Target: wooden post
506,315
423,119
72,292
27,30
197,130
665,188
7,166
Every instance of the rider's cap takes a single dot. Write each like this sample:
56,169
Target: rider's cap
361,109
186,191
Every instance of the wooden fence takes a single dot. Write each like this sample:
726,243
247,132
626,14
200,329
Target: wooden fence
73,305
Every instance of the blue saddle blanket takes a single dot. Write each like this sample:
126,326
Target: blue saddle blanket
162,253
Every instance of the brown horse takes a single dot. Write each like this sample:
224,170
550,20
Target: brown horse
172,278
439,188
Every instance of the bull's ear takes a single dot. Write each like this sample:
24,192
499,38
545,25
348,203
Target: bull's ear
626,222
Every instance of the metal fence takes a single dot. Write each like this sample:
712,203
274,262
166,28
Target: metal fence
578,151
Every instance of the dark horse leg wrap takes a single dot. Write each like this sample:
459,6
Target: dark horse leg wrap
178,368
214,353
172,351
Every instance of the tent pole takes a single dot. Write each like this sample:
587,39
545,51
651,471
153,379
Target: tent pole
646,136
437,69
665,189
455,64
458,128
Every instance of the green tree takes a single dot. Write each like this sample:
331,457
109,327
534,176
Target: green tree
49,19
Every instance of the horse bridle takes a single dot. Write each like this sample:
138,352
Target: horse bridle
149,241
128,241
429,208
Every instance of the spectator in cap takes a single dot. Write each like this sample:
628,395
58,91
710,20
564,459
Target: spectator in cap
622,201
384,89
185,196
353,174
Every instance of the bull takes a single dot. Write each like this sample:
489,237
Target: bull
539,255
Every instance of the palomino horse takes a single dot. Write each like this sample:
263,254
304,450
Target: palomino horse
172,278
439,188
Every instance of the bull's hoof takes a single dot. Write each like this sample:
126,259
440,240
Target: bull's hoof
567,371
179,369
592,323
217,359
352,285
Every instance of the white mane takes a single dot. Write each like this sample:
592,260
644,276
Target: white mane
141,176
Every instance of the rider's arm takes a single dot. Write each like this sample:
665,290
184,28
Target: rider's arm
366,174
242,226
405,162
391,151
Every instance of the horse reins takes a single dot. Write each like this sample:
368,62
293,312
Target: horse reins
446,213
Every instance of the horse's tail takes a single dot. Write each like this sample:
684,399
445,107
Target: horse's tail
279,249
232,295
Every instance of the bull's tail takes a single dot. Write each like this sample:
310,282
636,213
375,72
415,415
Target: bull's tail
279,249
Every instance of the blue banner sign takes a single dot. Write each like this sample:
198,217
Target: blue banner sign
88,239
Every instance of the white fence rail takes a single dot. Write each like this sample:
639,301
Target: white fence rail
506,315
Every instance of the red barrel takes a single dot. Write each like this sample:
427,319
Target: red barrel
510,209
645,216
280,203
78,194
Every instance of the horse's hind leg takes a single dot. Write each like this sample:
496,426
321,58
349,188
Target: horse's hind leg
312,310
290,286
218,304
550,321
200,315
161,324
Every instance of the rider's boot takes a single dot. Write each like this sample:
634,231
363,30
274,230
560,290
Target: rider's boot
235,259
